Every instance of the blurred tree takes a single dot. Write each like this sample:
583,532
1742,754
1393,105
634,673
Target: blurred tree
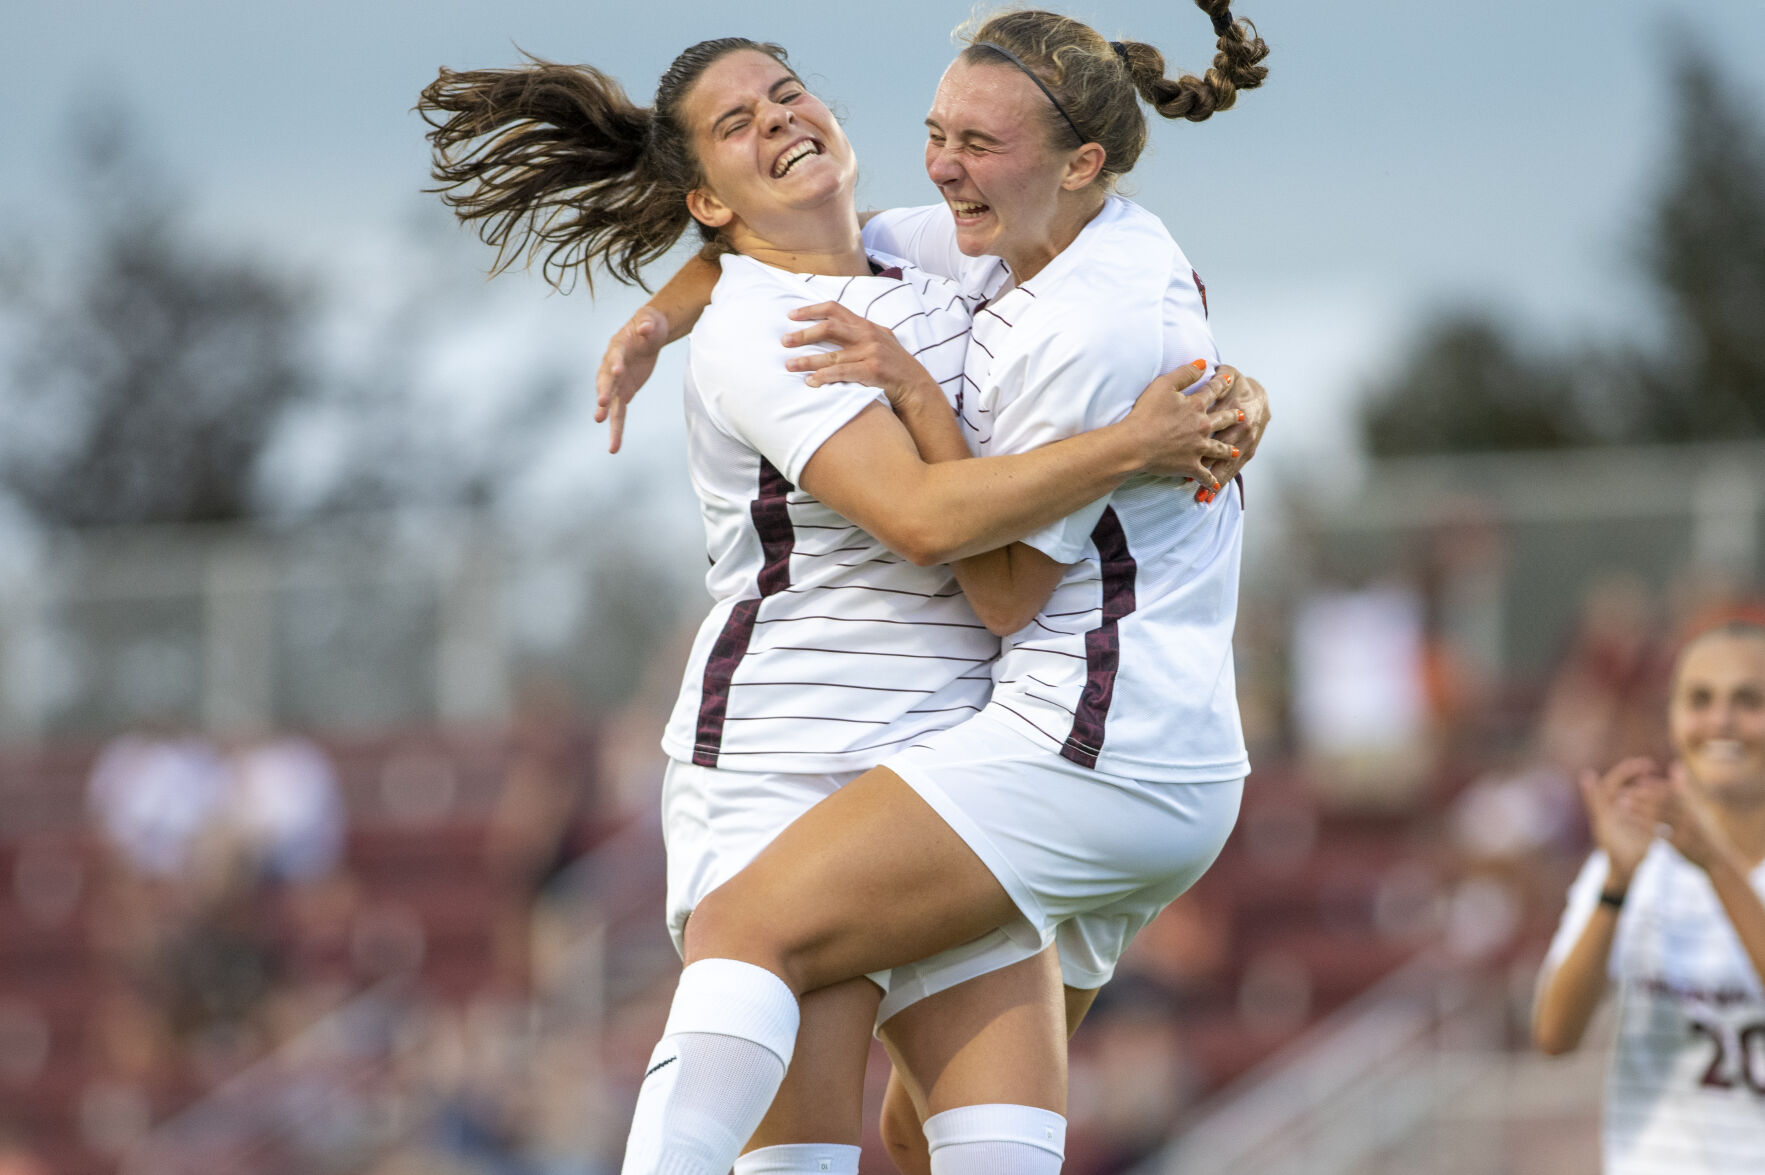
1707,255
147,373
1468,385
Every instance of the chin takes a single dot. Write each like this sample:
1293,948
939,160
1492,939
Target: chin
1734,786
974,244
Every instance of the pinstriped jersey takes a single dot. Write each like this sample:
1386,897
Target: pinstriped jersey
824,651
1128,669
1685,1090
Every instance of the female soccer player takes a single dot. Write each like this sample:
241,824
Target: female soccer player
1677,924
824,649
1106,769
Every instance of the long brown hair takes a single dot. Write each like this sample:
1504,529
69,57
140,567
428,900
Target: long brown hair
1095,84
555,159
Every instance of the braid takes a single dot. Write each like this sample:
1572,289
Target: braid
1235,67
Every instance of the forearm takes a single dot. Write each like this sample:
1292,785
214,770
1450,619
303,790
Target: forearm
685,297
1745,910
1569,995
973,505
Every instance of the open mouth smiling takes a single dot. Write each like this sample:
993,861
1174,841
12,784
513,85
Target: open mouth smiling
794,154
968,208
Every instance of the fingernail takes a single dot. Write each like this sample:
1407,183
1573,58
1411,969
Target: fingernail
1234,452
1240,416
1199,365
1229,378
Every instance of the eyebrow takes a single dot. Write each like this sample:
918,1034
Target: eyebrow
789,79
981,136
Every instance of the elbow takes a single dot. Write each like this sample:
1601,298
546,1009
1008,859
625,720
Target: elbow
1003,615
1552,1046
922,543
1553,1040
1002,620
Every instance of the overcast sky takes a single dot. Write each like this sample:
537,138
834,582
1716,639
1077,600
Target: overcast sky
1403,155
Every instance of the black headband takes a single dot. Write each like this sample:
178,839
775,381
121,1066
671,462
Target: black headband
1027,72
1121,51
1222,22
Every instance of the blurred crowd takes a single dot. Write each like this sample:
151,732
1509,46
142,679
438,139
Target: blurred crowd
442,951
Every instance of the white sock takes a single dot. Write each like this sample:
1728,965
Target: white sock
719,1064
996,1140
800,1158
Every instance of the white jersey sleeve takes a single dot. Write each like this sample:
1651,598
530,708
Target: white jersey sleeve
1070,385
926,236
741,357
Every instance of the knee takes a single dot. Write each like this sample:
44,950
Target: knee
902,1134
725,925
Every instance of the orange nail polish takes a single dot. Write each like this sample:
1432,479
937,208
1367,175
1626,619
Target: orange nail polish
1234,452
1240,416
1199,365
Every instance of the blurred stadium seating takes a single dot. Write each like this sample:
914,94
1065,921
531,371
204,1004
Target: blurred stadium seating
1348,984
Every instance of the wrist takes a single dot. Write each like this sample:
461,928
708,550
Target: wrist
1720,865
1130,449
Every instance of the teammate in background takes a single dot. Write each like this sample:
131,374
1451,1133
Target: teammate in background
1669,909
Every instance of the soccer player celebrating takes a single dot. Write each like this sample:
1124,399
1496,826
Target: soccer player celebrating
825,648
1668,910
1105,772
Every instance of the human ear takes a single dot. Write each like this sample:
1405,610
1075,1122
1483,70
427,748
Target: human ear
707,209
1083,167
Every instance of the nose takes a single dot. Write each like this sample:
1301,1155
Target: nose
774,117
941,165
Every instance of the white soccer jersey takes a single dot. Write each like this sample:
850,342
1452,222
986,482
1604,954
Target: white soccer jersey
823,651
1685,1091
1128,668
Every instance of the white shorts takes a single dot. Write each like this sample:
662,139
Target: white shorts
714,822
1088,858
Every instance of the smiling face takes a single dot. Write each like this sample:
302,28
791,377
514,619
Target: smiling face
1717,715
1014,193
771,153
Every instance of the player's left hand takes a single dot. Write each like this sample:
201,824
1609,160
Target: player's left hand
1693,829
1248,398
868,354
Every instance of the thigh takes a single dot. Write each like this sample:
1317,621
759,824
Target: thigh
998,1038
822,1098
869,878
715,821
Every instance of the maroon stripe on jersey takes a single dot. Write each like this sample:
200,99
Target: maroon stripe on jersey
772,522
1103,643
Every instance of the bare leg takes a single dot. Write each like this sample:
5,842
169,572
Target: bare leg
869,878
903,1119
999,1038
822,1098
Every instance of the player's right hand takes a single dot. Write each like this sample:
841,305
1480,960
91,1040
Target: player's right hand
630,358
1176,427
